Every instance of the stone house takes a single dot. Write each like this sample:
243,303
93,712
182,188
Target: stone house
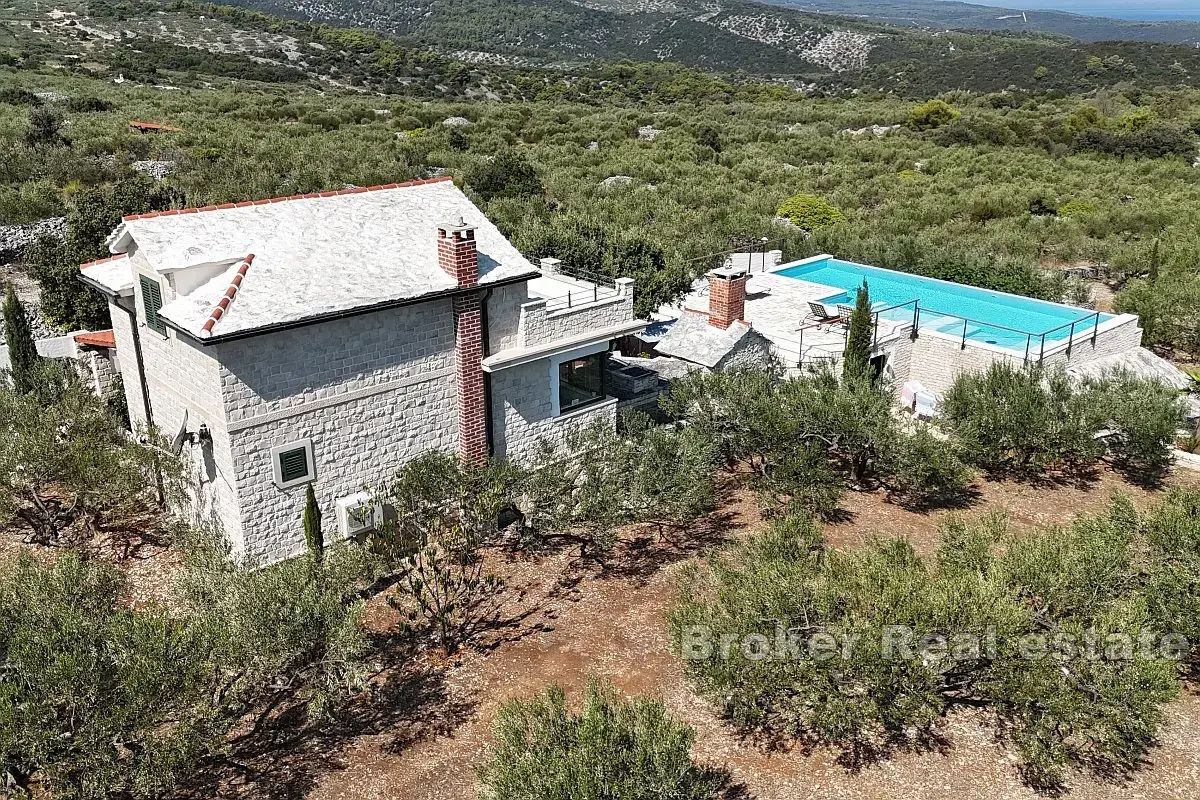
718,338
326,339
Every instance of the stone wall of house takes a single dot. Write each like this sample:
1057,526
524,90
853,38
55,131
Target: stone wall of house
937,360
523,412
98,369
372,392
183,379
539,326
504,316
122,326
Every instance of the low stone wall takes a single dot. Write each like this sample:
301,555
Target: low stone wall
936,360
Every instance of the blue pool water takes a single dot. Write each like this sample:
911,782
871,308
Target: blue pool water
997,318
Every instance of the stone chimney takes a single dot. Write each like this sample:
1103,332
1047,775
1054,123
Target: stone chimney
457,256
726,296
456,252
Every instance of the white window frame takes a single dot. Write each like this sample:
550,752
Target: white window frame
571,355
277,468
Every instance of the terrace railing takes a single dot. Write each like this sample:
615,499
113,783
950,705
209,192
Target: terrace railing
1031,355
602,287
1080,324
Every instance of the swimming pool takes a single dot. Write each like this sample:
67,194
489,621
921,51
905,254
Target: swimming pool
1005,320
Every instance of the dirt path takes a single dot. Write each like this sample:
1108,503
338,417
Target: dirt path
574,625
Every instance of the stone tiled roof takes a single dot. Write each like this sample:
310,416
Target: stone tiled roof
314,254
693,339
114,274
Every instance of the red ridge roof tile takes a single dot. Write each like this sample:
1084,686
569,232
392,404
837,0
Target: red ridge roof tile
219,310
97,339
310,195
101,261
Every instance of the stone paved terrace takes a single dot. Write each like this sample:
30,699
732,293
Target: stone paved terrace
777,307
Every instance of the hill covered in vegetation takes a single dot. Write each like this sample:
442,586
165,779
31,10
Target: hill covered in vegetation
943,14
764,40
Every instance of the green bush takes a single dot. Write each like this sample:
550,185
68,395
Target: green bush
1013,420
99,700
876,645
809,212
625,750
931,114
507,174
1077,208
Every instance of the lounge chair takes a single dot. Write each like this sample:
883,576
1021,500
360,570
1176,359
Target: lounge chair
820,313
845,313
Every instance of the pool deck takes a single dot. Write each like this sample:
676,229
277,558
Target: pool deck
777,307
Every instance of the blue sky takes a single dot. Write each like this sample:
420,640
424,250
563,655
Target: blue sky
1126,9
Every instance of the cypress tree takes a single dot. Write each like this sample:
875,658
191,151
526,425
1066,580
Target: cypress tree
312,525
22,353
857,356
1155,262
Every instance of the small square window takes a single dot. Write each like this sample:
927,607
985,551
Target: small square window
292,463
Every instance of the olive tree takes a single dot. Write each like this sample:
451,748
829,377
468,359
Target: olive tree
628,749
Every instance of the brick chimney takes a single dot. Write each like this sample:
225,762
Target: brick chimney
726,296
457,256
456,252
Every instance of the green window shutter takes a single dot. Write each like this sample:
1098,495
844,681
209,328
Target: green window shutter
151,303
293,465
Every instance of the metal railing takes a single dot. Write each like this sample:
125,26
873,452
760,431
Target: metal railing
1092,319
601,287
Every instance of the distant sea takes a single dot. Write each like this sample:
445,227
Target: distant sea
1128,9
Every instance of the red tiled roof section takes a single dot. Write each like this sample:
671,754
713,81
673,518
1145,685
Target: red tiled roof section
245,203
102,260
230,293
97,339
153,126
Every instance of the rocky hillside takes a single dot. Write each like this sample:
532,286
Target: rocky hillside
830,52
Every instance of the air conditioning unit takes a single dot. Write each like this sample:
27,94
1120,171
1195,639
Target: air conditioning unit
358,513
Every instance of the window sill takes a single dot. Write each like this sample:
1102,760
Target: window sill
576,411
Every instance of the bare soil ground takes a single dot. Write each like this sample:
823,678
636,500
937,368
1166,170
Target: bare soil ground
428,725
570,624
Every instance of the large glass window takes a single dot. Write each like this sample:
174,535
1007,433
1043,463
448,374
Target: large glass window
581,381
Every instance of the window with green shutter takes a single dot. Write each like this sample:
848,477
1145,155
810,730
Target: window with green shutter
151,303
293,465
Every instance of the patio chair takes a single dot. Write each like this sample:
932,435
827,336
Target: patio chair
820,313
845,313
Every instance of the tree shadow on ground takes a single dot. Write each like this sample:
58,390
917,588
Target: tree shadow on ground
407,702
648,548
961,500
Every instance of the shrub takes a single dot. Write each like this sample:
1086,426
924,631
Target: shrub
1013,420
1077,208
602,480
65,460
931,114
925,470
507,174
1145,417
446,512
88,105
613,748
809,212
794,640
116,702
